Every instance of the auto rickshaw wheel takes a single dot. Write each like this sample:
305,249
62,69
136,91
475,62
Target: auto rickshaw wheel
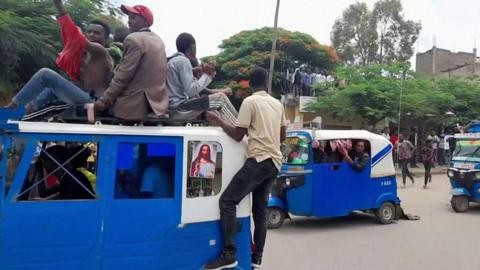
275,217
386,213
460,204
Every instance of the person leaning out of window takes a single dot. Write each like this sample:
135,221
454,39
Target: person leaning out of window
360,158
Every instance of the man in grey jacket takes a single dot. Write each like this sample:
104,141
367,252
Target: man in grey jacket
185,89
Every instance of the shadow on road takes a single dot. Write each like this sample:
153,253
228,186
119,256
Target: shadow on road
354,220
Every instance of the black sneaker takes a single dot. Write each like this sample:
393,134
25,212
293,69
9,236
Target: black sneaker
222,262
256,264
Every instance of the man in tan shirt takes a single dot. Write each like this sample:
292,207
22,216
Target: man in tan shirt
262,118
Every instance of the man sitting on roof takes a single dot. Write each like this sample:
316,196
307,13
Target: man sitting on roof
184,88
139,83
84,59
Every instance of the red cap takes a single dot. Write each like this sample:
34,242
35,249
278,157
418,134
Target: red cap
140,10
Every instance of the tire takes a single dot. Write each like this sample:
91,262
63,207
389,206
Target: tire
275,217
460,204
386,213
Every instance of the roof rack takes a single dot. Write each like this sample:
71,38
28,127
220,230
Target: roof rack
75,114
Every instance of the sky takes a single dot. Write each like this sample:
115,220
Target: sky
453,25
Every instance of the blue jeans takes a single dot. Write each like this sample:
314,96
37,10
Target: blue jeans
47,86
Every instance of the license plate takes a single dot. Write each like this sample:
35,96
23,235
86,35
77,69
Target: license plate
466,166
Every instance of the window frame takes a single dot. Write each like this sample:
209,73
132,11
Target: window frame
112,153
189,160
32,141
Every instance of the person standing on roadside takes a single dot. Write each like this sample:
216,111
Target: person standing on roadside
262,118
405,150
414,141
427,160
386,133
435,140
441,150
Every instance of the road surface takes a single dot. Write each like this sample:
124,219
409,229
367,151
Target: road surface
441,240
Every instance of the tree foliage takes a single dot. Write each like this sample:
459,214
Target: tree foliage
373,93
382,35
31,37
248,49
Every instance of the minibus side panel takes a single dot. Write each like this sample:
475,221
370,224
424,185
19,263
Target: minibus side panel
55,234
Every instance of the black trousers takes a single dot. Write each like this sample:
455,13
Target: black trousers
255,177
405,170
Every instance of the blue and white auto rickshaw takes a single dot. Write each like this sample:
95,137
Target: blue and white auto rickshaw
328,188
464,171
152,206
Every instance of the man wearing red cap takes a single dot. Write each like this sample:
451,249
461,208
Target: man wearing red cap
139,83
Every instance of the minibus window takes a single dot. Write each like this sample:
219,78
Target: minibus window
295,150
333,149
204,174
467,150
145,171
61,171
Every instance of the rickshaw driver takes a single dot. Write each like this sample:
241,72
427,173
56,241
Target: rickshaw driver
261,117
360,159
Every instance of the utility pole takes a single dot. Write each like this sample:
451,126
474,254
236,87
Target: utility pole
274,47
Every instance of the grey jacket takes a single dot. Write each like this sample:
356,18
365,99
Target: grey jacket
139,82
180,81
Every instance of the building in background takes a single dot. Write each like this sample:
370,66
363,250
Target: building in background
445,63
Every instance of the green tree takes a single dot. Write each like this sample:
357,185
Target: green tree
248,49
370,95
383,35
373,93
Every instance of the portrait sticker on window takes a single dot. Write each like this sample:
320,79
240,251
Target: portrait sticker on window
204,169
204,157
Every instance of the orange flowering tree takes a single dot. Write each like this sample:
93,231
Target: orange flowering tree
249,49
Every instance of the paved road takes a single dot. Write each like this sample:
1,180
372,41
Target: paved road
441,240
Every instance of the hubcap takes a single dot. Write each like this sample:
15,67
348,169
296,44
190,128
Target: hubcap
387,213
274,216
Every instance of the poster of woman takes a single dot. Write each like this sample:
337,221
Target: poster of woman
203,160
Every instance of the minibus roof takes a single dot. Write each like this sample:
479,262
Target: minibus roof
323,134
473,136
62,128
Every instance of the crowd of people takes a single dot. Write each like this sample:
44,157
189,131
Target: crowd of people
300,81
410,148
132,79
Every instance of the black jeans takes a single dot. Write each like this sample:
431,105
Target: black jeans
405,170
441,156
413,159
255,177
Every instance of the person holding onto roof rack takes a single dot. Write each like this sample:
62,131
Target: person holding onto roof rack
139,83
184,88
262,118
84,58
